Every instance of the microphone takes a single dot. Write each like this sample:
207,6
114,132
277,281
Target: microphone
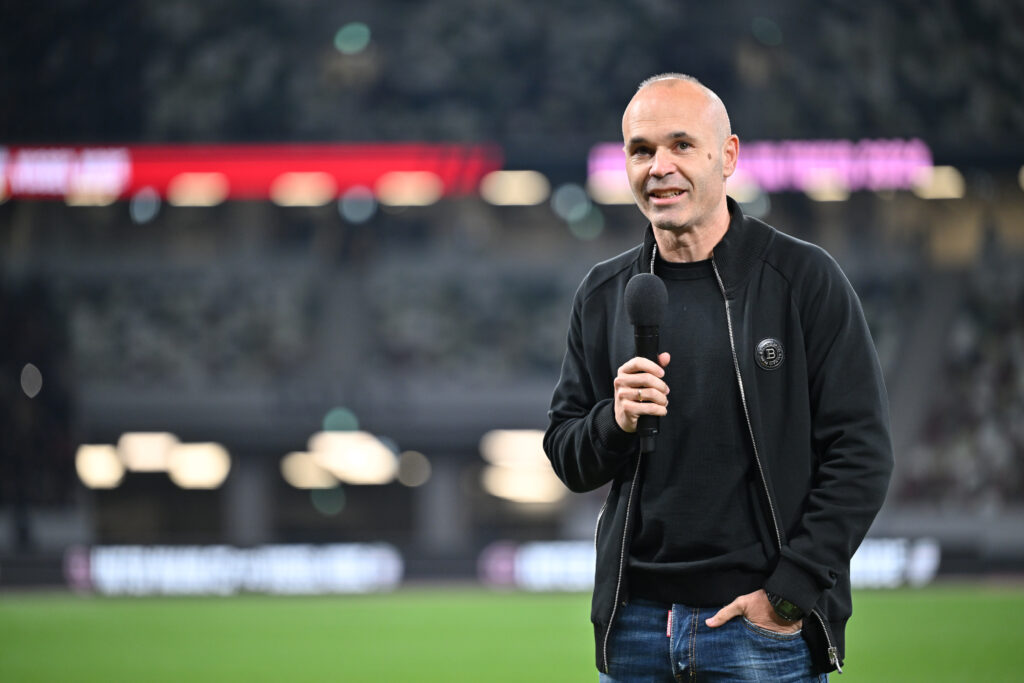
646,301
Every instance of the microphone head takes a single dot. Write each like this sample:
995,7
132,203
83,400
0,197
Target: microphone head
646,300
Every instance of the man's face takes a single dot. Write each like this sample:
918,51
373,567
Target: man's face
678,154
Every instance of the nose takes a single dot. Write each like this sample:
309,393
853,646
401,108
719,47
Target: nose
660,164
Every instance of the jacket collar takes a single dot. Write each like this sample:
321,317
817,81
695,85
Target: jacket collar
734,255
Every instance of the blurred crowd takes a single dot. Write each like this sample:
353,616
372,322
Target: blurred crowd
971,451
476,321
190,331
521,74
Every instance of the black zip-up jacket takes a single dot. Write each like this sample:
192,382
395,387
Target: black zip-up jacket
818,421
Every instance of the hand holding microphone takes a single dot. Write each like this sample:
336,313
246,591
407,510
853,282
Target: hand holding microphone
641,395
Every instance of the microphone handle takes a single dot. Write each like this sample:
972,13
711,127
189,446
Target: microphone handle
647,341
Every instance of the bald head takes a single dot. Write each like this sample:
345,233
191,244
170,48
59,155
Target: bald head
717,114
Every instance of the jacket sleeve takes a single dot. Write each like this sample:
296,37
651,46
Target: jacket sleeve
850,437
585,444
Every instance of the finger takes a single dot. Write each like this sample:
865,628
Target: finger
642,396
655,409
646,408
725,614
640,364
664,359
640,380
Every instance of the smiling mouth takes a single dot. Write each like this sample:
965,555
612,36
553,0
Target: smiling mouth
664,194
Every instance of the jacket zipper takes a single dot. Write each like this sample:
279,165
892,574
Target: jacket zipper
622,561
743,400
597,525
833,652
625,530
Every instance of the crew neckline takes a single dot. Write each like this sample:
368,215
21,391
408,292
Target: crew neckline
694,270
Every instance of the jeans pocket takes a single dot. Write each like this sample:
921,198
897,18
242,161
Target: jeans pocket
767,633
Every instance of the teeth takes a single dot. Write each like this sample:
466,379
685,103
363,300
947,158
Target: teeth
666,194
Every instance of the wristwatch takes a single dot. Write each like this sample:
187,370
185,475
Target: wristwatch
784,608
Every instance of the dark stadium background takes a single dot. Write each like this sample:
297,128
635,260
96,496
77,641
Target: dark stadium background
250,324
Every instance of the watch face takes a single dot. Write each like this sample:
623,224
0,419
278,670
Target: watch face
792,611
785,609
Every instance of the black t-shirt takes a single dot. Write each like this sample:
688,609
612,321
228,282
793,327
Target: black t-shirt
696,539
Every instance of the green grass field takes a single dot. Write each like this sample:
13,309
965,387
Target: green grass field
944,633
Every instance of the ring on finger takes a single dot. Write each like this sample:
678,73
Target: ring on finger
640,395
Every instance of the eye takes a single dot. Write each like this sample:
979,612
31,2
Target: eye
641,151
683,145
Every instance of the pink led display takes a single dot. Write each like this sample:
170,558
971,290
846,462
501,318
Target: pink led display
798,165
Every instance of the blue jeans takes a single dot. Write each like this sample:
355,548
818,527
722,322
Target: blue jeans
649,646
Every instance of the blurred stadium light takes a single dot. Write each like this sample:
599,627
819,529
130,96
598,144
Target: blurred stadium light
518,470
198,189
146,451
98,466
357,204
31,380
515,188
198,465
301,470
144,205
354,457
315,188
413,469
352,38
824,185
940,182
409,188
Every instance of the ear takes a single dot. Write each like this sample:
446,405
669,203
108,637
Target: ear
730,154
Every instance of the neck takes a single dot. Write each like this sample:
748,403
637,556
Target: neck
693,242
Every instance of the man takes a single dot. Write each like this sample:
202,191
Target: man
724,553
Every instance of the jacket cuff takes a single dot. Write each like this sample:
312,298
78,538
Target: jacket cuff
793,584
609,434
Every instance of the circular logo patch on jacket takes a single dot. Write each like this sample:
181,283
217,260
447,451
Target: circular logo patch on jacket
769,353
